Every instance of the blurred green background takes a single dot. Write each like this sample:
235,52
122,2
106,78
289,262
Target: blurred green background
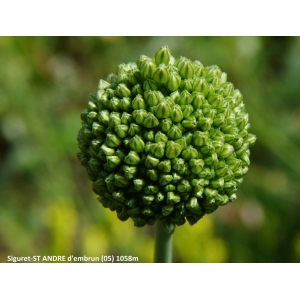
47,206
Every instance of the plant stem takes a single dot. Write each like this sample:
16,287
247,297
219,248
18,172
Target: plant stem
163,244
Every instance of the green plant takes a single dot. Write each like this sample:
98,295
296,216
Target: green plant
165,140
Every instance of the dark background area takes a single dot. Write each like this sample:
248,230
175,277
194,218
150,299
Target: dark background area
47,206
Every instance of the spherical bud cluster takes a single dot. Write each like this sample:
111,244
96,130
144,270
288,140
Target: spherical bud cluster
165,139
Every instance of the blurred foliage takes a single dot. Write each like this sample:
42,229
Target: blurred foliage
47,206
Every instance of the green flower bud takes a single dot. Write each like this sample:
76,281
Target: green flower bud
186,110
139,184
221,199
134,76
172,198
196,165
150,121
94,164
190,123
226,151
152,174
153,97
114,104
178,163
126,118
150,85
187,84
160,137
198,100
87,134
129,171
98,129
245,158
166,210
111,78
205,123
176,114
166,124
103,85
184,186
158,149
172,150
237,142
229,175
193,204
164,166
147,147
139,222
228,88
174,96
218,120
138,103
121,131
162,110
165,179
199,84
139,116
233,163
99,186
106,150
120,181
217,183
250,139
159,197
147,68
199,68
185,98
174,81
174,133
218,145
214,81
112,162
137,90
209,113
170,101
141,59
214,70
114,119
149,135
102,99
123,78
161,74
111,93
200,138
163,55
122,91
189,153
112,140
185,68
137,144
181,142
132,158
151,189
84,114
91,117
134,129
176,177
151,162
211,160
223,78
125,104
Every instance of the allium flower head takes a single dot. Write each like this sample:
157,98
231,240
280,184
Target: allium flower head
165,139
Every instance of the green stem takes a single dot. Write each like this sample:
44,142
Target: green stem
163,244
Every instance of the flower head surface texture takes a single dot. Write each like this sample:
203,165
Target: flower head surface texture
165,139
